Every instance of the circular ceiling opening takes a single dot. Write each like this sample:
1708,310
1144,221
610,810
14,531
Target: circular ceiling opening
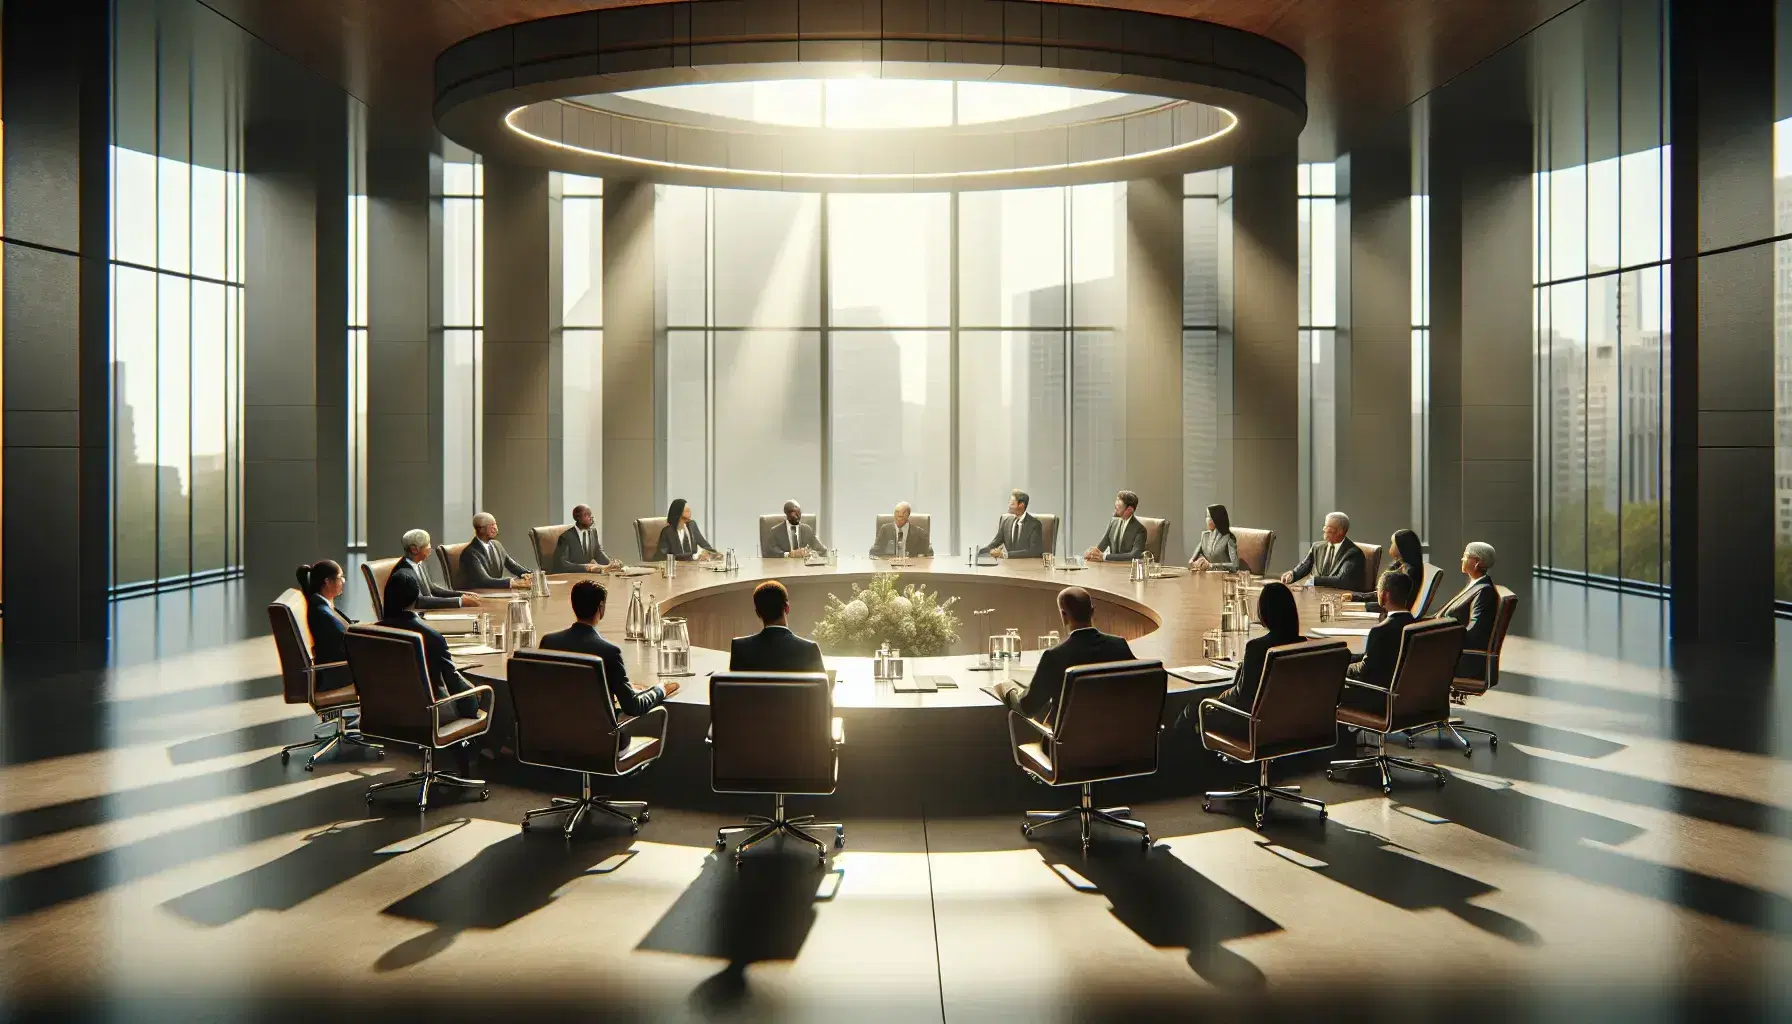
868,104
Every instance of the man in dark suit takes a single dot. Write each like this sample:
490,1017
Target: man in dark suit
1476,606
1381,648
582,637
1018,535
401,613
415,564
794,538
1335,561
484,564
902,535
774,648
1125,539
1083,644
579,549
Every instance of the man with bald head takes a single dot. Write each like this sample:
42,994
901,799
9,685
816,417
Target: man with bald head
1083,644
579,549
484,564
902,535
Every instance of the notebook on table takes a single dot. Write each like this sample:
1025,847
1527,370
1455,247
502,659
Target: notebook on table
1203,675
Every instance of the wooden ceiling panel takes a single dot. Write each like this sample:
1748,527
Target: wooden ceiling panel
1365,59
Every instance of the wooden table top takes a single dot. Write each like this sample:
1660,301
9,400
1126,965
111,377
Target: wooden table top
1184,607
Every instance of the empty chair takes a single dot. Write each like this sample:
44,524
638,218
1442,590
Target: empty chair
566,719
448,559
1105,725
1418,696
1421,606
328,688
1255,548
774,732
399,706
1371,564
376,573
1048,532
647,537
1295,712
1157,534
546,540
1464,687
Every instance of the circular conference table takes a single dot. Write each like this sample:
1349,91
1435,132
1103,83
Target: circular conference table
947,750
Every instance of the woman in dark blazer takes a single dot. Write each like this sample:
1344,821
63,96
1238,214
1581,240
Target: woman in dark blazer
1217,549
1277,612
689,547
1409,561
322,584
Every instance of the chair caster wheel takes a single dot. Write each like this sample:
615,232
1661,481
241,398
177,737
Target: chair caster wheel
379,755
721,844
737,860
370,799
1205,806
285,756
1258,823
1329,775
310,766
485,794
525,826
1440,782
839,842
1322,814
1387,791
634,829
1145,844
646,815
1410,743
1493,743
1027,830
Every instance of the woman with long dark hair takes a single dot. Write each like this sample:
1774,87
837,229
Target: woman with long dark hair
1277,611
1408,560
681,538
322,583
1217,549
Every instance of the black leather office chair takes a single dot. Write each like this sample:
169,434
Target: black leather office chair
1295,712
775,732
398,705
1464,687
1417,697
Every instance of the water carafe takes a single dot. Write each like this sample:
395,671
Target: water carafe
538,584
520,625
654,628
635,624
1138,571
675,647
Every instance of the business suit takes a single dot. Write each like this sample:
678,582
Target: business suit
669,543
1124,541
1020,538
774,649
1415,573
429,595
1476,606
329,641
1085,646
777,539
920,543
1242,694
584,639
1220,550
481,569
577,549
444,678
1343,570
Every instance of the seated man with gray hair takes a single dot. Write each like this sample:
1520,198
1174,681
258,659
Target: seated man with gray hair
1335,561
902,536
415,564
1476,606
484,564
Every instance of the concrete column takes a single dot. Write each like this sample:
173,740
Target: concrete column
57,431
1264,262
634,444
522,337
1722,361
1374,349
404,344
1154,354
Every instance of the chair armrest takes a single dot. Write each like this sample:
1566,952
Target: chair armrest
1211,702
1037,726
317,670
839,732
1215,702
1366,686
435,707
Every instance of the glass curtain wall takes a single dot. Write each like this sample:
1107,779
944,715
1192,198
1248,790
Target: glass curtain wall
357,325
1421,320
1206,369
1318,338
463,336
177,298
853,351
1602,297
582,343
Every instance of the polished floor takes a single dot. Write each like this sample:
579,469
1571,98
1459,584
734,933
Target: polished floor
1624,854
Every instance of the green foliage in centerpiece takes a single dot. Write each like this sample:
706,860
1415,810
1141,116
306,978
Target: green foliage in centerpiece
910,619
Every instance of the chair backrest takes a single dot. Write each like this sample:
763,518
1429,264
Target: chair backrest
565,716
1048,530
376,573
1297,701
647,537
1423,672
448,556
771,732
1107,720
1255,548
1433,576
922,520
768,523
289,616
1501,624
546,540
1371,564
1157,534
393,680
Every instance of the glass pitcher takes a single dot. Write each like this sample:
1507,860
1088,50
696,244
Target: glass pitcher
675,647
653,628
520,624
634,625
1011,644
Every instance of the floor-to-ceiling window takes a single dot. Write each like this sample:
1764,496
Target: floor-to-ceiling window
1421,320
357,325
1602,298
1206,368
1318,341
463,336
177,303
582,343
